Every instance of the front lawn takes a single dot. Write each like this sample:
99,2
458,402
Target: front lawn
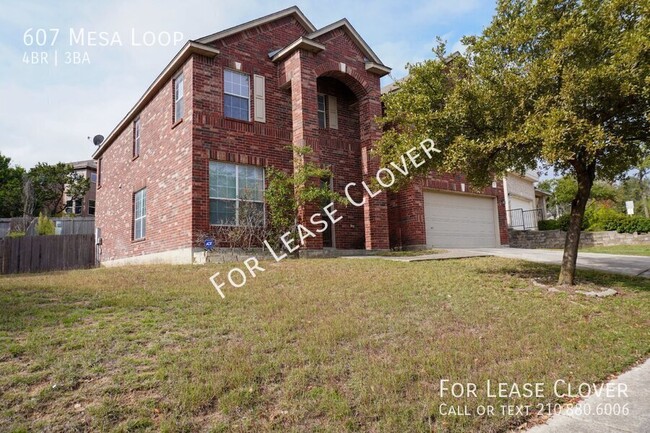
329,345
634,250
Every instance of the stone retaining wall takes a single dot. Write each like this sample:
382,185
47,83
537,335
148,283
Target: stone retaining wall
555,239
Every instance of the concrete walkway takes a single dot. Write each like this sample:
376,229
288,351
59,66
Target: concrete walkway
631,392
455,253
614,263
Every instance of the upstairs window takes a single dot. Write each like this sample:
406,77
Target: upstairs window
236,194
93,177
322,112
136,137
236,95
91,207
327,112
178,98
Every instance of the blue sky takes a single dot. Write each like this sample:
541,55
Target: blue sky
47,111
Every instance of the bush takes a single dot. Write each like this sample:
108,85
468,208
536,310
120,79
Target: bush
602,218
44,226
16,234
626,224
633,224
548,225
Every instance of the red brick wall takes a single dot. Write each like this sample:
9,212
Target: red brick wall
218,138
163,167
291,115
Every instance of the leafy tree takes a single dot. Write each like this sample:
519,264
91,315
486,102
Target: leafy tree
562,82
77,187
11,183
286,194
564,190
51,182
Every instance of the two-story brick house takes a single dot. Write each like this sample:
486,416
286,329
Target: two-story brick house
230,105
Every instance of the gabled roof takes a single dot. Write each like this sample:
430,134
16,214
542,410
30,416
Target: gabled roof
291,11
352,33
309,43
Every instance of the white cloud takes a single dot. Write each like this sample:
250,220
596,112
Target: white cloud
46,113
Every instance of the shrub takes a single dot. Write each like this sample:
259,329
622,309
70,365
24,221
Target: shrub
44,226
603,217
627,224
16,234
548,225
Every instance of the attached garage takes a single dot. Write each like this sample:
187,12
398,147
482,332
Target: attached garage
460,220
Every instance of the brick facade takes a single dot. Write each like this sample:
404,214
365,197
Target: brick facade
174,160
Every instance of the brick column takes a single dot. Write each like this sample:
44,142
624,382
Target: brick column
375,210
304,114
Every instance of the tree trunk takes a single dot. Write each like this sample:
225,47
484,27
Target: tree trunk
644,194
585,178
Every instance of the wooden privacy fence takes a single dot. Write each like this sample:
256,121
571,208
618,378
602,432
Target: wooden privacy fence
46,253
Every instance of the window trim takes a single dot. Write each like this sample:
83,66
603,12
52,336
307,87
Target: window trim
236,199
324,111
248,98
137,134
99,172
142,217
179,78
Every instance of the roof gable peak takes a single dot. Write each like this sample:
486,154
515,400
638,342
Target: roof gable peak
290,11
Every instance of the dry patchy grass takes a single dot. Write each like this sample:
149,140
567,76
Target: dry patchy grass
310,345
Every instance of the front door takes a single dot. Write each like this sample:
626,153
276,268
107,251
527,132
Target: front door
328,234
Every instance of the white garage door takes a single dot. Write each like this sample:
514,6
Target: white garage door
520,203
459,220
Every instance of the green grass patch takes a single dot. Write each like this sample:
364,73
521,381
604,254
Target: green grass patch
633,250
362,347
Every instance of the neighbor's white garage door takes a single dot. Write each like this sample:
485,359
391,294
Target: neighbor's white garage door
519,203
459,220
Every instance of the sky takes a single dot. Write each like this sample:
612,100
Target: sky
61,82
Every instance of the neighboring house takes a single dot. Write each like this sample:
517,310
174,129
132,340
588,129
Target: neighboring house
84,206
227,107
525,205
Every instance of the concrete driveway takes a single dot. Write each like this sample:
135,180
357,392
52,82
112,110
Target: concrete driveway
614,263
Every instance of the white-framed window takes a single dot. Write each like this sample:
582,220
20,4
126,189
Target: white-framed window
322,111
236,95
74,208
140,214
178,97
136,137
236,194
93,177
